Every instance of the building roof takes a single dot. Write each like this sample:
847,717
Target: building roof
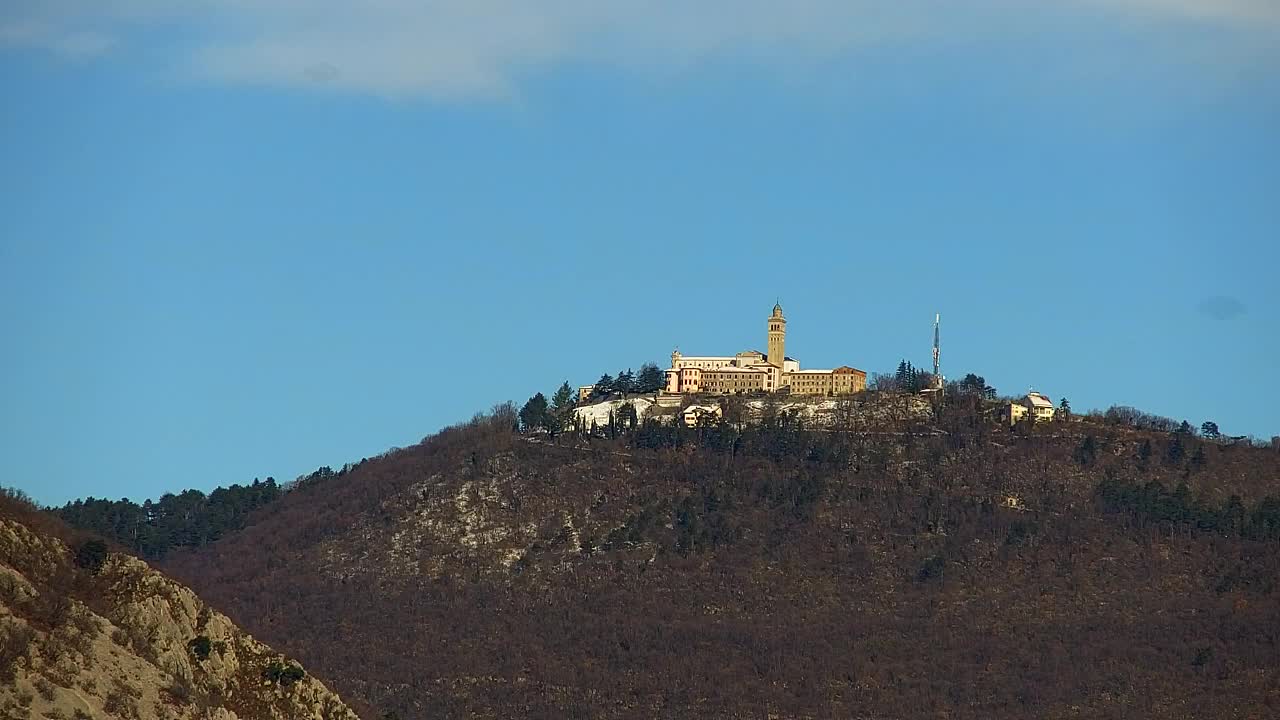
846,369
702,408
709,357
1038,400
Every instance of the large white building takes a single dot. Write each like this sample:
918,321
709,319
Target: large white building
754,371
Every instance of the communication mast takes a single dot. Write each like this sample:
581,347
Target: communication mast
937,372
936,385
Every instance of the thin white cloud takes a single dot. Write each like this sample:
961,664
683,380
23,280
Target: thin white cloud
482,48
1218,11
65,42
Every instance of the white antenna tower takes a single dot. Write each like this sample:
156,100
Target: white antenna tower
937,373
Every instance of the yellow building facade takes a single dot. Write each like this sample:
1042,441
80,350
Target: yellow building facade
752,371
736,380
844,380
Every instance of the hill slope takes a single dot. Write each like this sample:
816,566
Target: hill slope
718,573
91,634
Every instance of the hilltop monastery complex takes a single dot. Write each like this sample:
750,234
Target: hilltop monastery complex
752,371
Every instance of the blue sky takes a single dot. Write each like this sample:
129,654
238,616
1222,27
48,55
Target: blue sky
248,239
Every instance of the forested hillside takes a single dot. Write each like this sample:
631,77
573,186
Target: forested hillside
950,567
188,519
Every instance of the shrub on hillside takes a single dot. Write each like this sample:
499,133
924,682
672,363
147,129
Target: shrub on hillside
200,647
122,701
91,555
24,698
284,674
10,591
85,623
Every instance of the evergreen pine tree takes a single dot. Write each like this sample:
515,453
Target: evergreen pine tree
534,414
562,403
604,385
1173,454
562,400
1087,452
650,378
902,378
1198,460
626,381
1144,454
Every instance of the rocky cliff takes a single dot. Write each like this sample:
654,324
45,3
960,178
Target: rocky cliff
86,633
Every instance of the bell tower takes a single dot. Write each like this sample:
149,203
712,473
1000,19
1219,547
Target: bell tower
777,337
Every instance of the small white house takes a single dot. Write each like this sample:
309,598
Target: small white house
1039,406
695,413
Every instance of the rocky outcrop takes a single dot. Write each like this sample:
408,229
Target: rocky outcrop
102,635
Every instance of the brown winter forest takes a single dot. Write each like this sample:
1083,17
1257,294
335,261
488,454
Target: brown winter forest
870,571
